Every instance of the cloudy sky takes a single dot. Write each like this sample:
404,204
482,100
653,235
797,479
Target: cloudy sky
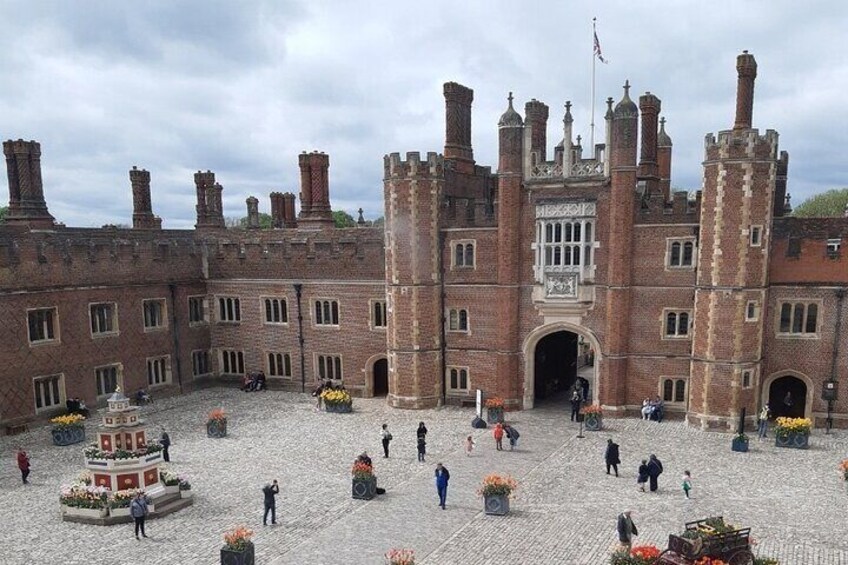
242,87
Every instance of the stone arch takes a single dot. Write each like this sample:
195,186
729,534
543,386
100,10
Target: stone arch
767,382
369,373
529,349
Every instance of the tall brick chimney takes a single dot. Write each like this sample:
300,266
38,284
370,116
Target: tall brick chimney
458,99
143,218
649,105
202,182
536,117
746,68
26,193
252,212
289,217
277,217
315,209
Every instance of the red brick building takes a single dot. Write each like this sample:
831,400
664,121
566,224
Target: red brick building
509,281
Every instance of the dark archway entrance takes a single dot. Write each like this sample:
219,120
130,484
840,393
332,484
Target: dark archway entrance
381,377
555,366
792,406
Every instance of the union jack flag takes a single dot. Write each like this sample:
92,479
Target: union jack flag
598,49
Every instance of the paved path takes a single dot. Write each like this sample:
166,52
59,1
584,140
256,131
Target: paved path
563,513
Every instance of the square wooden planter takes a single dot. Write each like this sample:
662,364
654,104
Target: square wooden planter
494,415
794,441
364,489
497,505
593,422
216,428
233,557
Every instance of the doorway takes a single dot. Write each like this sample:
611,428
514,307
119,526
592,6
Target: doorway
555,364
381,377
788,397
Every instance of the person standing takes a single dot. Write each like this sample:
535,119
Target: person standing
643,475
422,448
270,492
626,530
23,464
421,431
387,437
655,469
138,510
576,401
611,456
318,398
512,435
442,478
165,442
687,483
469,445
765,413
498,433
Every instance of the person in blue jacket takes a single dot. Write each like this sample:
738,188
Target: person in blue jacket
442,478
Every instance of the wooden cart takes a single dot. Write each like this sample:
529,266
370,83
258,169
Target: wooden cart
732,547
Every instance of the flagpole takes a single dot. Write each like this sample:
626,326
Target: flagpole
592,121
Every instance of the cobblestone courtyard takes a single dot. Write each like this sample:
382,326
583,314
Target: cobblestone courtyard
563,513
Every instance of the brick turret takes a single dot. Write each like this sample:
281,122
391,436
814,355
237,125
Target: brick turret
458,99
413,196
625,129
26,193
315,212
740,168
143,217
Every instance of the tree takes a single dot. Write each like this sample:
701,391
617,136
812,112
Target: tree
3,211
265,222
379,222
827,204
342,219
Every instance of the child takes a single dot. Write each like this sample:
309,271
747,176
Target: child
469,445
643,475
498,433
687,483
422,448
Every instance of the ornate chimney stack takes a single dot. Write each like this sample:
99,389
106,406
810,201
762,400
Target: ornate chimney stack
143,217
315,209
649,105
289,216
26,193
458,99
277,216
746,68
252,212
203,182
536,117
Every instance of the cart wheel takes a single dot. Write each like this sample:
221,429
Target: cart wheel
743,557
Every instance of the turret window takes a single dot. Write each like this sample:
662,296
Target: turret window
676,324
458,320
463,253
680,253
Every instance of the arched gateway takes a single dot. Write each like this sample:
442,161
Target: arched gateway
788,393
555,356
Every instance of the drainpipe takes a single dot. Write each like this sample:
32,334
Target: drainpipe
298,290
175,332
442,317
840,298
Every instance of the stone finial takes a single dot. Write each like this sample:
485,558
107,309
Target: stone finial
787,207
510,118
608,115
361,220
568,118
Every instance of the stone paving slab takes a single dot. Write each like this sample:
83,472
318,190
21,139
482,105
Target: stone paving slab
564,511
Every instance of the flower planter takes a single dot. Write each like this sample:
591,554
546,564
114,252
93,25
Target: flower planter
496,505
68,436
87,512
793,440
338,408
494,415
235,557
593,422
186,493
364,489
172,489
740,445
121,511
216,428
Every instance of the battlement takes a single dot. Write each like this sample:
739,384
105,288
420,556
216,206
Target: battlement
21,147
654,208
413,167
466,212
741,144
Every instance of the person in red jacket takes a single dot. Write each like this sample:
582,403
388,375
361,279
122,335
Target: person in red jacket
23,464
498,433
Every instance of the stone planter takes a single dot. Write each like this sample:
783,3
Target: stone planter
186,493
172,489
740,445
496,505
120,511
68,436
593,422
338,408
364,489
233,557
795,441
216,428
494,415
87,512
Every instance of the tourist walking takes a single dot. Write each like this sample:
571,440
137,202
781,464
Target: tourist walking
576,401
387,437
498,433
611,456
626,530
318,398
165,442
642,476
655,469
512,435
442,478
23,464
469,445
765,414
138,510
687,483
422,448
270,491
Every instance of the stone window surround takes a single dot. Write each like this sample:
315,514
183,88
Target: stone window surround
163,312
806,301
238,354
236,308
677,335
459,329
675,383
682,240
752,378
167,376
119,377
60,402
463,242
457,391
371,310
758,230
283,300
208,362
55,321
206,310
317,374
756,305
115,331
285,355
315,323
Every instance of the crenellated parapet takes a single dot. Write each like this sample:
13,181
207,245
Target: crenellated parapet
413,167
741,144
655,209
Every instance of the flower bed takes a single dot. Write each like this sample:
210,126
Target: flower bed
400,557
496,490
494,410
238,549
216,424
638,555
338,401
94,452
68,429
84,496
364,483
